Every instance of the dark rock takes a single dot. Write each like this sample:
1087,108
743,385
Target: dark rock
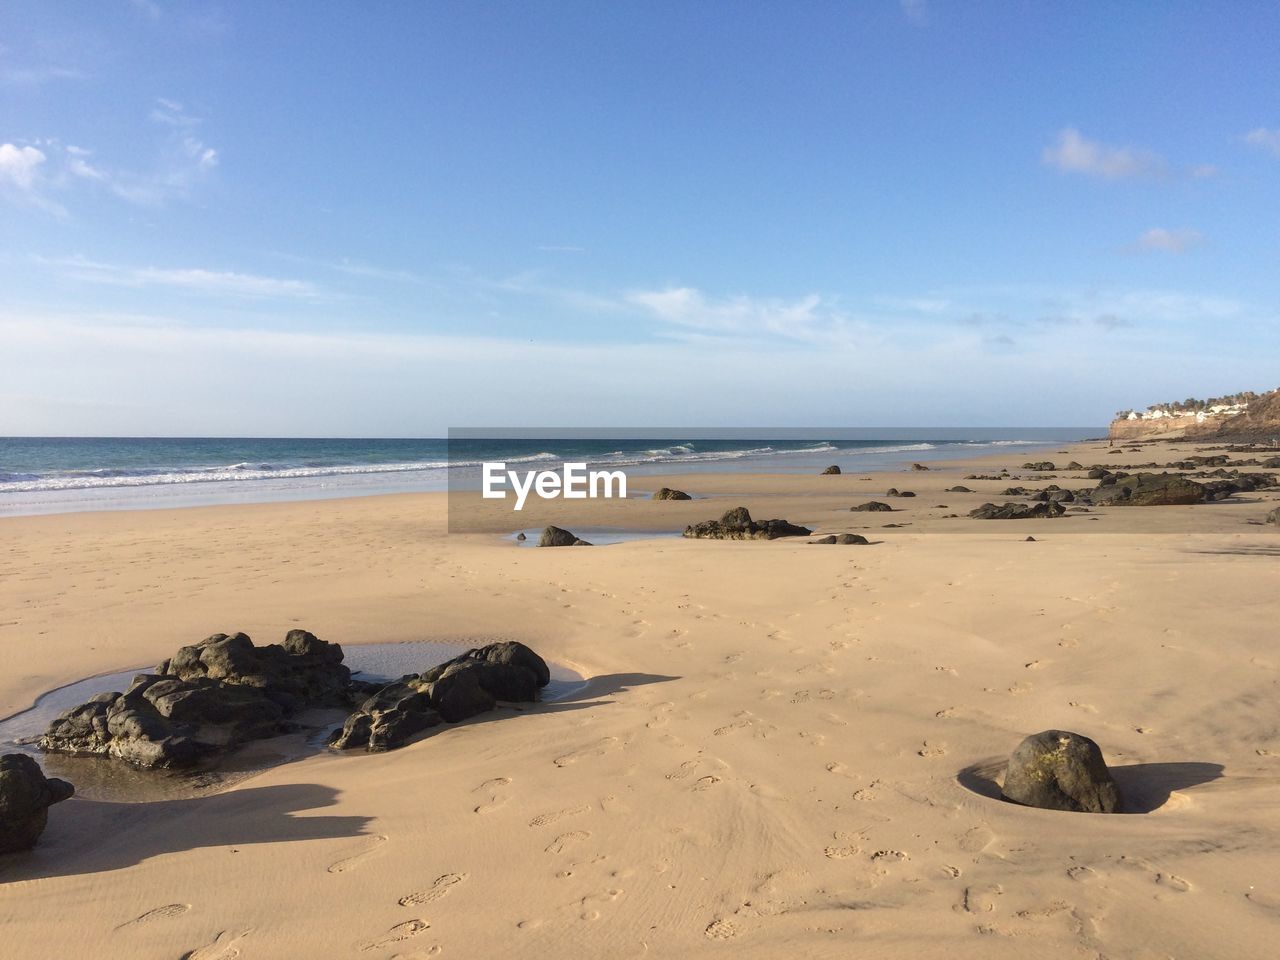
959,489
1059,770
1147,490
556,537
206,700
833,469
463,687
26,795
736,524
1274,516
1018,511
666,493
872,506
1073,465
1097,473
1043,465
1061,496
918,466
521,537
1030,540
895,492
843,538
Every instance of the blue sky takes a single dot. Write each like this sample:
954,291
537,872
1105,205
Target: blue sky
387,219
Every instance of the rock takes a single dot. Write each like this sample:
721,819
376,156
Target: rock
26,795
1274,516
918,466
1097,473
1061,496
463,687
958,489
895,492
1059,770
1147,490
872,506
831,470
843,538
736,524
556,537
204,701
1074,465
1030,540
1018,511
666,493
1043,465
521,537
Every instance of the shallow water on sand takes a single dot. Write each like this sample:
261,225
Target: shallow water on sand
98,778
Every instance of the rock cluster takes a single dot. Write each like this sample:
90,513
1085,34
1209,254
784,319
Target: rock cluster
1018,511
463,687
1060,770
1147,490
558,537
895,492
736,524
26,795
1043,465
666,493
206,700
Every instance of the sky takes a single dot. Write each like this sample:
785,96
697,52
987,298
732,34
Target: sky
392,218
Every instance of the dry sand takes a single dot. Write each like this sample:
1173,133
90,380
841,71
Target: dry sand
785,750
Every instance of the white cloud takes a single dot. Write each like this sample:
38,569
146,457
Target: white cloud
917,11
810,318
193,280
1170,241
19,165
37,76
1267,139
1074,153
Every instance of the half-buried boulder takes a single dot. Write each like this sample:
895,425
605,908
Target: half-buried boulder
460,688
666,493
26,795
1059,770
1148,490
736,524
558,537
872,506
831,470
843,538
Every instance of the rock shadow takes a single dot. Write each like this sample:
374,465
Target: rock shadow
97,836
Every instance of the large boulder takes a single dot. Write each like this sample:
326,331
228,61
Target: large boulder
736,524
831,470
1147,490
559,537
872,506
460,688
842,538
1059,770
206,700
26,795
666,493
1018,511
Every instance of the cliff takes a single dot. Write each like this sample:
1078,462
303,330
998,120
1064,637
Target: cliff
1241,418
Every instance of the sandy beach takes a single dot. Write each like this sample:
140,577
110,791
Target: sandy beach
782,749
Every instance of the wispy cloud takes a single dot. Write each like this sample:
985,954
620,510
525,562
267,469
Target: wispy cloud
190,279
1265,138
1072,152
38,76
1170,241
810,319
917,11
18,165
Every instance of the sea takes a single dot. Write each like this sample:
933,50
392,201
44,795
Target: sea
40,475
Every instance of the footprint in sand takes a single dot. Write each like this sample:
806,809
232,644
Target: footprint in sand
353,861
981,899
976,839
225,946
166,912
598,749
720,930
494,792
932,750
560,843
545,819
437,890
397,934
587,903
1082,874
